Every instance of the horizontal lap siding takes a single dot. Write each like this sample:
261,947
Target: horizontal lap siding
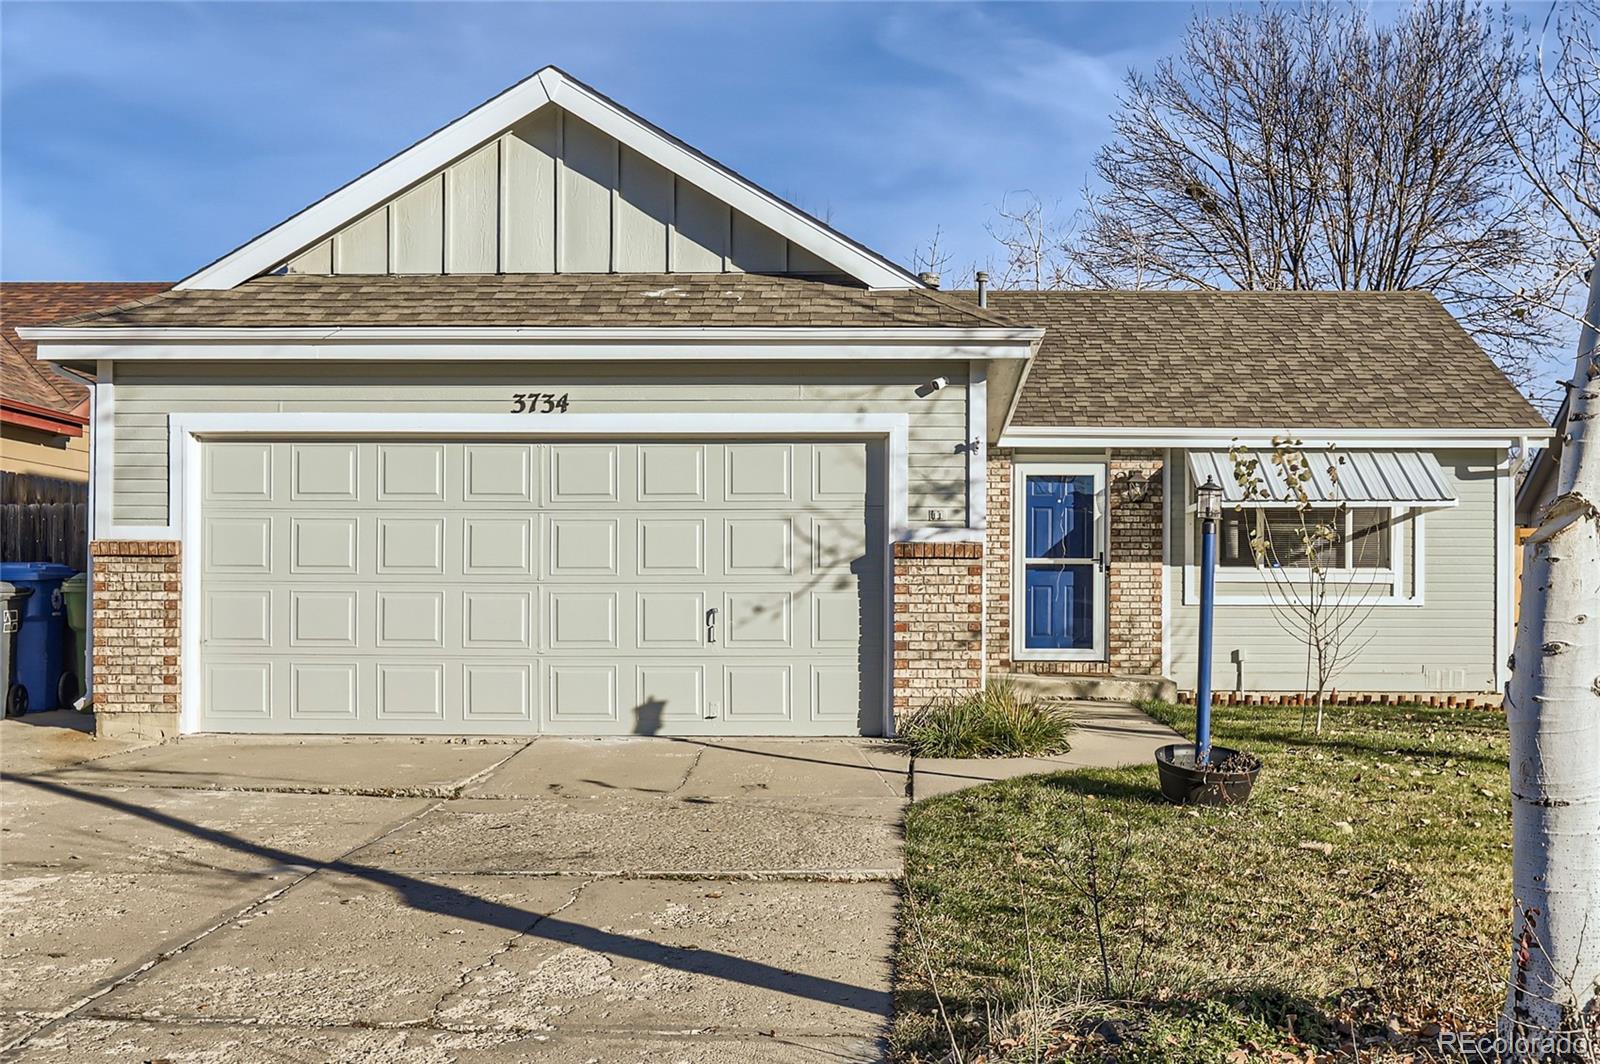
147,394
1446,644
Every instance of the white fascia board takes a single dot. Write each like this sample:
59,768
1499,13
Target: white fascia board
529,333
388,179
1036,438
543,345
492,118
868,268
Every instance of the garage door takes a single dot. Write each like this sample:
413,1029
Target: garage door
425,587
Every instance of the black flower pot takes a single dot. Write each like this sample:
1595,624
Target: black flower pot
1226,780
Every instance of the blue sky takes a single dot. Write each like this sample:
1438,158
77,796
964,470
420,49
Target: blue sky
139,141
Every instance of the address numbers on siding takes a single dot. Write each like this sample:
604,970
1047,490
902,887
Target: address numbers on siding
538,403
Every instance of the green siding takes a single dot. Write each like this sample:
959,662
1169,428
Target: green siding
147,394
1445,644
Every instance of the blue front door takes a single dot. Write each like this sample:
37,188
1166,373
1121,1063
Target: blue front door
1062,546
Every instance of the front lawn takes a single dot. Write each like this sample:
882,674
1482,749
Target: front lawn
1364,887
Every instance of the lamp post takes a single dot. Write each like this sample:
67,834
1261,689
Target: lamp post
1209,499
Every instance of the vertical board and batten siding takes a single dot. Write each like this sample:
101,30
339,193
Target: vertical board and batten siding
1445,644
148,393
554,194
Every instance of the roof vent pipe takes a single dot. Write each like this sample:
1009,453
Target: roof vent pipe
930,279
983,288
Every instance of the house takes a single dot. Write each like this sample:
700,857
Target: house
44,414
1538,487
552,423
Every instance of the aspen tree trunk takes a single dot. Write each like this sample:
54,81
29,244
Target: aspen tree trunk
1553,709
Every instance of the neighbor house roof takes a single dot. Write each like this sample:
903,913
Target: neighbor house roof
28,382
1203,359
544,300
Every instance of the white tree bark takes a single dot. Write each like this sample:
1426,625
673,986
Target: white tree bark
1553,709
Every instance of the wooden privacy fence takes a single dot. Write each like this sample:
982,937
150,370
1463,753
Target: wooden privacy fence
43,519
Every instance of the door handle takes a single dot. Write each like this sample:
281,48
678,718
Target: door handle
1100,560
711,625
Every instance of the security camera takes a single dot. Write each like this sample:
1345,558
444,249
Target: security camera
938,383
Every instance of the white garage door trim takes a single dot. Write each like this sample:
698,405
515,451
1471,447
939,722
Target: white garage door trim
186,431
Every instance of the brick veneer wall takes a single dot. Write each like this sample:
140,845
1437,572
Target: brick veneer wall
1133,585
137,639
938,622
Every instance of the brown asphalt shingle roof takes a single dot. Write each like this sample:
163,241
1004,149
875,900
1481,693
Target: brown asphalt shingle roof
27,380
555,300
1160,359
1257,360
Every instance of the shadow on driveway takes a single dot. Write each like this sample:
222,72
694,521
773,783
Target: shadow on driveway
435,897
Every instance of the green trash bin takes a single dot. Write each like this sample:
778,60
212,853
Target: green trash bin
75,594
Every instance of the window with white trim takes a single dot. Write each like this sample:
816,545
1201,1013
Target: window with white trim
1357,538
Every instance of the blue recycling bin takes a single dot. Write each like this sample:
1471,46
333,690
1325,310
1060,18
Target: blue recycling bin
42,631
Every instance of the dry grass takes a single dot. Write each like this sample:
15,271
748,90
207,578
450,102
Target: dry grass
1364,887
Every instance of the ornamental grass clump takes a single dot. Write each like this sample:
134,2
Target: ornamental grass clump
997,721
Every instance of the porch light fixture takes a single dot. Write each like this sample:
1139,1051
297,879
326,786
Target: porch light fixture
1209,496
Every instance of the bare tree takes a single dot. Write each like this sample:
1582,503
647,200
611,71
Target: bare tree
1317,599
1035,240
1308,147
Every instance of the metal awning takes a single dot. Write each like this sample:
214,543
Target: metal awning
1364,478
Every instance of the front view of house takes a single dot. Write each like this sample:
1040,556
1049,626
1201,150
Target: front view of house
552,424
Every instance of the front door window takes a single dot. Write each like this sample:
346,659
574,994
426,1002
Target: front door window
1062,542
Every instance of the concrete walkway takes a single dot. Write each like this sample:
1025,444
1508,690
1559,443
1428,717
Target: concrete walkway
573,900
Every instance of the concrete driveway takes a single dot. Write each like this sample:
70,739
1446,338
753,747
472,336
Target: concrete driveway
624,900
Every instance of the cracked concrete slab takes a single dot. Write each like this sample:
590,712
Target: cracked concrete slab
587,768
797,768
363,765
69,935
843,837
653,956
52,826
122,1040
343,949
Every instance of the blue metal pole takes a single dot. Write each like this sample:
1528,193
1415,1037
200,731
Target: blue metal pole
1208,598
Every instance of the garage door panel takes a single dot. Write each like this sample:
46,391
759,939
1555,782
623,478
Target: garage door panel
238,544
324,618
497,620
758,694
584,473
758,472
500,545
498,472
239,690
758,546
582,546
411,472
674,546
238,618
411,545
411,691
498,692
670,620
239,472
410,619
325,545
582,693
758,619
582,620
324,691
325,472
490,588
668,694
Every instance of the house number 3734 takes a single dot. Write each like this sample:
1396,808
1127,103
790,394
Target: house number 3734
538,403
